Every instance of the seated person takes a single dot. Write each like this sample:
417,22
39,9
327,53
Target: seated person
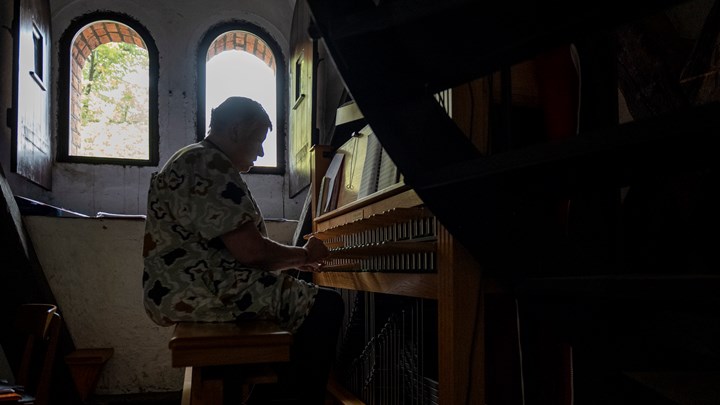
207,256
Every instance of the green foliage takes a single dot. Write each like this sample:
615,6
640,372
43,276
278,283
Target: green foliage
106,87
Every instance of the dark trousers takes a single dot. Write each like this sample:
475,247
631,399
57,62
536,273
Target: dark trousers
304,380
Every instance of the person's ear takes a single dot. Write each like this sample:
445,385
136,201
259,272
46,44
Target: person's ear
236,133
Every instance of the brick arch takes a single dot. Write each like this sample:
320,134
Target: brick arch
242,41
100,33
89,38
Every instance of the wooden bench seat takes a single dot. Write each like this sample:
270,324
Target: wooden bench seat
205,348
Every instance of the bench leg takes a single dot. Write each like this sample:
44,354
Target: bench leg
201,388
187,386
204,386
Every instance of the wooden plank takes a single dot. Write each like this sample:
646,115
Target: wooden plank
497,187
201,357
250,333
21,269
398,196
207,344
461,341
321,157
206,390
405,199
89,356
506,32
31,153
85,366
407,284
302,103
341,395
187,386
385,218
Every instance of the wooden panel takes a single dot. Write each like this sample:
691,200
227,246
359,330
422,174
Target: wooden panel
397,196
21,269
461,342
321,155
206,389
32,148
229,356
341,395
187,386
392,216
207,344
251,333
407,284
471,112
85,366
405,199
302,120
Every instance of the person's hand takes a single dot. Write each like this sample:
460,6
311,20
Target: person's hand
316,251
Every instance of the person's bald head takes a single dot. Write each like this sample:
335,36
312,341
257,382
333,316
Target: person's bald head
237,113
238,127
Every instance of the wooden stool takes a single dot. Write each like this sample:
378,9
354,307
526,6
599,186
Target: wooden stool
203,348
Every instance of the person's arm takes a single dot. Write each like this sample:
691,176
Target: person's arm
252,249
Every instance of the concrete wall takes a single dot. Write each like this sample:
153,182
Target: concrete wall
177,27
94,267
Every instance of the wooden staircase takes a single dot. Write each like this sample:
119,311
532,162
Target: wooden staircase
22,274
394,56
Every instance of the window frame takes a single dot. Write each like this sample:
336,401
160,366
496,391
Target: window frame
280,80
64,91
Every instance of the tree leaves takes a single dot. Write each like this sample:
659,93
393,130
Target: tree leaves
108,80
115,102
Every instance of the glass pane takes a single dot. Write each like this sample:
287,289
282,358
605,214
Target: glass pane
239,73
111,117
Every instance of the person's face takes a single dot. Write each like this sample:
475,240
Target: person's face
250,147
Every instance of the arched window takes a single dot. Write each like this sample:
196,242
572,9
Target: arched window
240,59
108,99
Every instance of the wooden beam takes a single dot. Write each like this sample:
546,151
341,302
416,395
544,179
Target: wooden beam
461,324
25,282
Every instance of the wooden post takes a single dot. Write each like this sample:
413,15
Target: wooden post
461,321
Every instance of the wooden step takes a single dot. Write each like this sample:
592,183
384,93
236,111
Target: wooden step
85,367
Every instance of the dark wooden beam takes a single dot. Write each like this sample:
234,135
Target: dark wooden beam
392,62
23,281
431,46
479,201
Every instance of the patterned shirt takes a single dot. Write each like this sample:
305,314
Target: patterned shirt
189,274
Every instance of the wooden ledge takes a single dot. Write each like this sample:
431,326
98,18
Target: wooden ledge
85,367
89,356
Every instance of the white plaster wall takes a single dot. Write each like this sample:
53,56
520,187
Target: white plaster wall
94,267
177,27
